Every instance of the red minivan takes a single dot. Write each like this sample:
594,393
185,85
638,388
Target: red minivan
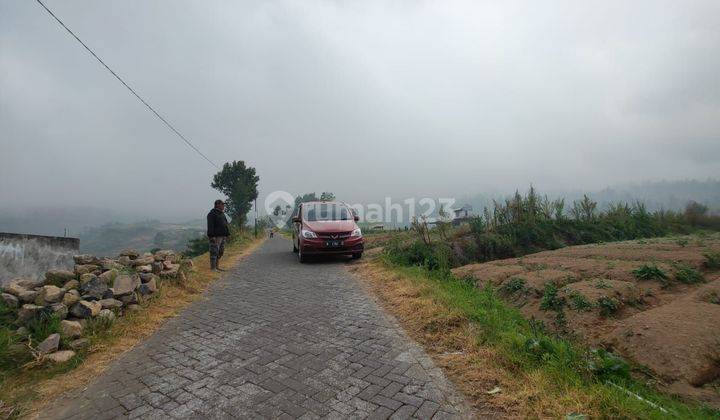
324,228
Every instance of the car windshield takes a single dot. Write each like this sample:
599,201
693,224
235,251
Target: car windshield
325,212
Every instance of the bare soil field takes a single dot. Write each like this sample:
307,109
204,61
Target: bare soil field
655,302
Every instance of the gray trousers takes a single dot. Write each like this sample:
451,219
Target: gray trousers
217,249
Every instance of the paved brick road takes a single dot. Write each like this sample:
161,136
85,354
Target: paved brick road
273,339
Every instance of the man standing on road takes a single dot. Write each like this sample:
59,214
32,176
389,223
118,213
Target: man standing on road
217,232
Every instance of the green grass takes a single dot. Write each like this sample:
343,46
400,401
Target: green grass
579,302
650,272
712,260
608,305
528,347
513,286
550,300
687,275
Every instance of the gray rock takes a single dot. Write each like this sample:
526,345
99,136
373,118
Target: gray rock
10,301
146,277
22,332
131,253
164,254
125,261
144,269
71,297
28,296
129,299
148,288
107,314
14,288
49,294
81,269
157,267
109,276
50,344
85,259
125,285
84,278
58,277
60,356
85,309
143,261
28,311
28,282
93,289
72,284
70,329
110,303
110,264
133,307
79,344
60,310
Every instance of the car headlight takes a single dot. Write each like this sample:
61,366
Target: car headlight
308,234
356,233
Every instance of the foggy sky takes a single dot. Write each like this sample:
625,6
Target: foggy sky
366,99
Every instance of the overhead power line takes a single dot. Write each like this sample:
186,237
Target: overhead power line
170,126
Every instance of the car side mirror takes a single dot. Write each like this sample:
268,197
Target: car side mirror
356,218
296,220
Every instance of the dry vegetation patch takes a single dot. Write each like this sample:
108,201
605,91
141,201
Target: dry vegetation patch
451,339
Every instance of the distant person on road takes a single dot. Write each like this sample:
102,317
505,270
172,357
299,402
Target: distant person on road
217,232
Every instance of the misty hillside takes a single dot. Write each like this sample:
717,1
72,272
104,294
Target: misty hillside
667,195
110,239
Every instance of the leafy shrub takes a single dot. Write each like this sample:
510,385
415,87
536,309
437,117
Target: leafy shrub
579,302
606,365
492,246
196,246
43,326
649,272
433,256
682,242
477,225
687,275
608,305
12,353
601,284
513,286
712,260
550,299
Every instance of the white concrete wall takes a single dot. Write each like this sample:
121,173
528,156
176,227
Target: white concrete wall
32,255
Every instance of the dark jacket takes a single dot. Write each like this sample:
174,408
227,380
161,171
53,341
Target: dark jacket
217,224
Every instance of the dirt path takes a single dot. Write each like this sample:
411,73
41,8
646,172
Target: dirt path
273,339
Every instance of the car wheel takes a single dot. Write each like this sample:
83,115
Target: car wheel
357,255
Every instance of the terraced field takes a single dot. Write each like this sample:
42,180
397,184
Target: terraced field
655,302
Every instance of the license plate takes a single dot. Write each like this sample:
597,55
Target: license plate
333,244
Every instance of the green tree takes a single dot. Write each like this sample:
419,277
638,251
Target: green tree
239,183
305,198
327,196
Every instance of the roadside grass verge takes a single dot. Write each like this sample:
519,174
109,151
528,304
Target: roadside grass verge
482,342
25,390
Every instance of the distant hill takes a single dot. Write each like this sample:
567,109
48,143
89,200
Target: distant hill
101,231
668,195
110,239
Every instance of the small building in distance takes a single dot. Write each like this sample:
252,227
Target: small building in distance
462,215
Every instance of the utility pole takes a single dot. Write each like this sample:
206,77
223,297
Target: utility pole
256,217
